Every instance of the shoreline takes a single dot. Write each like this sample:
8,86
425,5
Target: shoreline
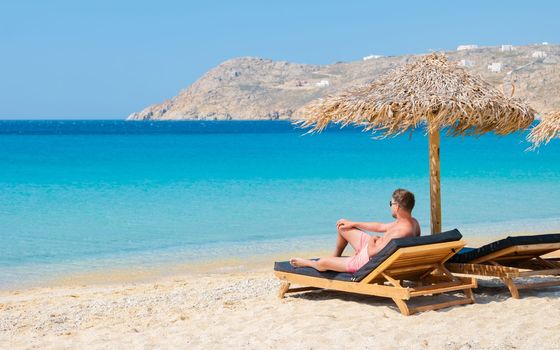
147,274
129,272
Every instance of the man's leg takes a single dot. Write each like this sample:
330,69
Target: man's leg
331,263
345,236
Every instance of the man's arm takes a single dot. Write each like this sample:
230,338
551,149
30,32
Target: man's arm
372,226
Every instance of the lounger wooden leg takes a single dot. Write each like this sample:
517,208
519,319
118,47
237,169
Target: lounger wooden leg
401,304
447,273
283,289
511,286
469,294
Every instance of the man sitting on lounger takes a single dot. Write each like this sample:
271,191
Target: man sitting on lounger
365,245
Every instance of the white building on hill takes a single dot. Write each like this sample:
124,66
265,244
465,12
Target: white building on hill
370,57
538,54
507,48
467,47
323,83
466,63
495,67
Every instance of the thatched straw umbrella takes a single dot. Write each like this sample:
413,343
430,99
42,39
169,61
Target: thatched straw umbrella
430,92
546,130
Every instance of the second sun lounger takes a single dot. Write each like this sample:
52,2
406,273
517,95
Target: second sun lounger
405,268
512,258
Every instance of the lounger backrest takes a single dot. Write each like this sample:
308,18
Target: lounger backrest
511,248
411,256
413,262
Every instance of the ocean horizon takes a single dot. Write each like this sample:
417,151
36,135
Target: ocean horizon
86,195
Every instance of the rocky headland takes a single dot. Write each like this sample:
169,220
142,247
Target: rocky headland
249,88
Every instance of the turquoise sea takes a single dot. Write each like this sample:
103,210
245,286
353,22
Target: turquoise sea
77,196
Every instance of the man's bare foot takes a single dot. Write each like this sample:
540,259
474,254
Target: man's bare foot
298,262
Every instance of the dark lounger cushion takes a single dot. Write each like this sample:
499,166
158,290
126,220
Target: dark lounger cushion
466,255
390,249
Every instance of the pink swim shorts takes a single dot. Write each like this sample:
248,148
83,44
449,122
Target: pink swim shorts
361,257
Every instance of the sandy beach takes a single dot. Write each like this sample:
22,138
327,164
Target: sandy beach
240,310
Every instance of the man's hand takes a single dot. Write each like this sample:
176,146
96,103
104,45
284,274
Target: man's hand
345,224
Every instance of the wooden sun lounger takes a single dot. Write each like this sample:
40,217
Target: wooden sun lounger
407,273
514,262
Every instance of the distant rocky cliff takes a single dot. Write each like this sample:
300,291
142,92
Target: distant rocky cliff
256,88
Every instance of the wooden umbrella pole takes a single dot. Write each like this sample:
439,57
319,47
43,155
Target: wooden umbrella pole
435,195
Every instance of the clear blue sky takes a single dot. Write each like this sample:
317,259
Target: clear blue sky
105,59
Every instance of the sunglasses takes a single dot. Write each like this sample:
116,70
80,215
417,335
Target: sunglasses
391,203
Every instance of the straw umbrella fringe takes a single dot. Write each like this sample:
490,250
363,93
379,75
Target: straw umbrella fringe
430,92
546,130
